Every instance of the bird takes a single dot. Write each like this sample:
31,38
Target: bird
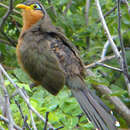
51,60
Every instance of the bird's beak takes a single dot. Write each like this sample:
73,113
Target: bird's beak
23,6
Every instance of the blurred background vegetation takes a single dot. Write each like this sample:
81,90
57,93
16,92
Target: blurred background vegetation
89,39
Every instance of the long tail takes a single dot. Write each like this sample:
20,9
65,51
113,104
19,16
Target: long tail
96,111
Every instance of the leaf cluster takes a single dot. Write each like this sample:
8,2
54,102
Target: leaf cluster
90,40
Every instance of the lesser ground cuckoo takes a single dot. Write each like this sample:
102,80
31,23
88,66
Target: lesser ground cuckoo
51,60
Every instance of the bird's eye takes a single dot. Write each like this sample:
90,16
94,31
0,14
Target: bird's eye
35,6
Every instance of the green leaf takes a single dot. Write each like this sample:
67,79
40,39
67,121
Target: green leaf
18,19
71,107
83,119
53,117
21,75
70,122
88,126
97,81
26,86
118,93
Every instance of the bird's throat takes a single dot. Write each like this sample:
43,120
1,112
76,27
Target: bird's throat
30,18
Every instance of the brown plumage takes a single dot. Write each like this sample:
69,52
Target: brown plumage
51,60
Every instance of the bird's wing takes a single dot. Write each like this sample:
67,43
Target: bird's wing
40,62
46,26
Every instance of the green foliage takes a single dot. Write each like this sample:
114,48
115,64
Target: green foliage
64,109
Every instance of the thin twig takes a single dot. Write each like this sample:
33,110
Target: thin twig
2,103
113,9
108,13
5,6
33,122
45,126
7,14
25,125
23,117
127,5
106,47
59,128
7,103
12,41
109,67
23,96
4,18
52,7
4,41
2,118
19,107
15,93
87,6
124,61
87,10
107,58
67,7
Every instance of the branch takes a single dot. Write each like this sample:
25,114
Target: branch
19,107
23,117
45,127
114,8
109,67
52,7
25,125
107,58
7,121
4,41
14,10
127,5
108,13
106,47
114,47
67,7
7,104
119,105
7,14
33,122
59,128
124,62
23,96
87,10
10,9
2,104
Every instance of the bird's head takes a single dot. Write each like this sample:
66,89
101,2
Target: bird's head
33,11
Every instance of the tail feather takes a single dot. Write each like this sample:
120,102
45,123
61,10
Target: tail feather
89,111
93,107
106,108
100,102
